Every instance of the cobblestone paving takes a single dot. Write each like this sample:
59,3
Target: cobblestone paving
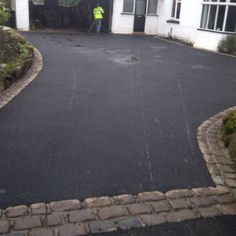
106,214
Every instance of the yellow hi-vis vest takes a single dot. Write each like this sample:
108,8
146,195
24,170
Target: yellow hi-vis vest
97,13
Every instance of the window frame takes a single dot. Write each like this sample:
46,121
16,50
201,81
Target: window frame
174,9
216,3
147,8
129,12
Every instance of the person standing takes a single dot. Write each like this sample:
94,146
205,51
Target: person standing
98,16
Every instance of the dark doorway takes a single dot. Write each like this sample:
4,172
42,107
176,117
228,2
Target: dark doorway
80,16
139,18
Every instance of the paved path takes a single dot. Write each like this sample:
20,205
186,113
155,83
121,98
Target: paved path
110,115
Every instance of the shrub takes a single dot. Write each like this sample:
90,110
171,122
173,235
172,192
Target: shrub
4,13
229,123
228,45
229,134
15,57
232,147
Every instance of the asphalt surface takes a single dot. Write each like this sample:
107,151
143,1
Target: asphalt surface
110,115
220,226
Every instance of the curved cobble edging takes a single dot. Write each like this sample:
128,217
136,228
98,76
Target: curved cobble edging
7,95
217,158
107,214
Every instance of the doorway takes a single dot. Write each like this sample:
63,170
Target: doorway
139,15
53,14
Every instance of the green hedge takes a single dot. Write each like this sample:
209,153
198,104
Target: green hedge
4,13
16,56
228,45
229,134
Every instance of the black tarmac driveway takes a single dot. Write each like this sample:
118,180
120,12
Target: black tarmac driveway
108,115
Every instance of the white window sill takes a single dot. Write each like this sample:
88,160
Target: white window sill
173,21
127,13
152,15
216,31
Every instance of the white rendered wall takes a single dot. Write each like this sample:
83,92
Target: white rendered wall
121,24
151,25
186,30
208,40
189,21
22,14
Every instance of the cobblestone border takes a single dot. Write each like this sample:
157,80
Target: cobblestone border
214,153
107,214
7,95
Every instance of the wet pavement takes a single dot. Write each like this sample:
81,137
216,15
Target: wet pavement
109,115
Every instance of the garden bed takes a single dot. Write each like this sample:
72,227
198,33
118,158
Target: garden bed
229,134
16,57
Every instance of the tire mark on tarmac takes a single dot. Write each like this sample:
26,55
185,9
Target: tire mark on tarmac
187,128
147,149
74,85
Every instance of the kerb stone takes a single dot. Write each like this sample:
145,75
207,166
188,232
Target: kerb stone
4,226
161,206
124,199
98,202
227,169
110,212
181,193
230,176
231,183
203,201
181,216
41,232
102,226
72,230
16,211
139,208
65,205
151,196
27,222
129,223
229,209
210,212
221,190
153,219
38,209
180,203
81,216
225,199
16,234
55,219
204,191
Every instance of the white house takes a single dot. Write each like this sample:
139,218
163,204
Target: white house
200,22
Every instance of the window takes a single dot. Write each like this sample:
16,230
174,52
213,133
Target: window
219,15
128,6
38,2
176,7
152,7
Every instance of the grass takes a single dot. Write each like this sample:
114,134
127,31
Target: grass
229,134
16,56
178,40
